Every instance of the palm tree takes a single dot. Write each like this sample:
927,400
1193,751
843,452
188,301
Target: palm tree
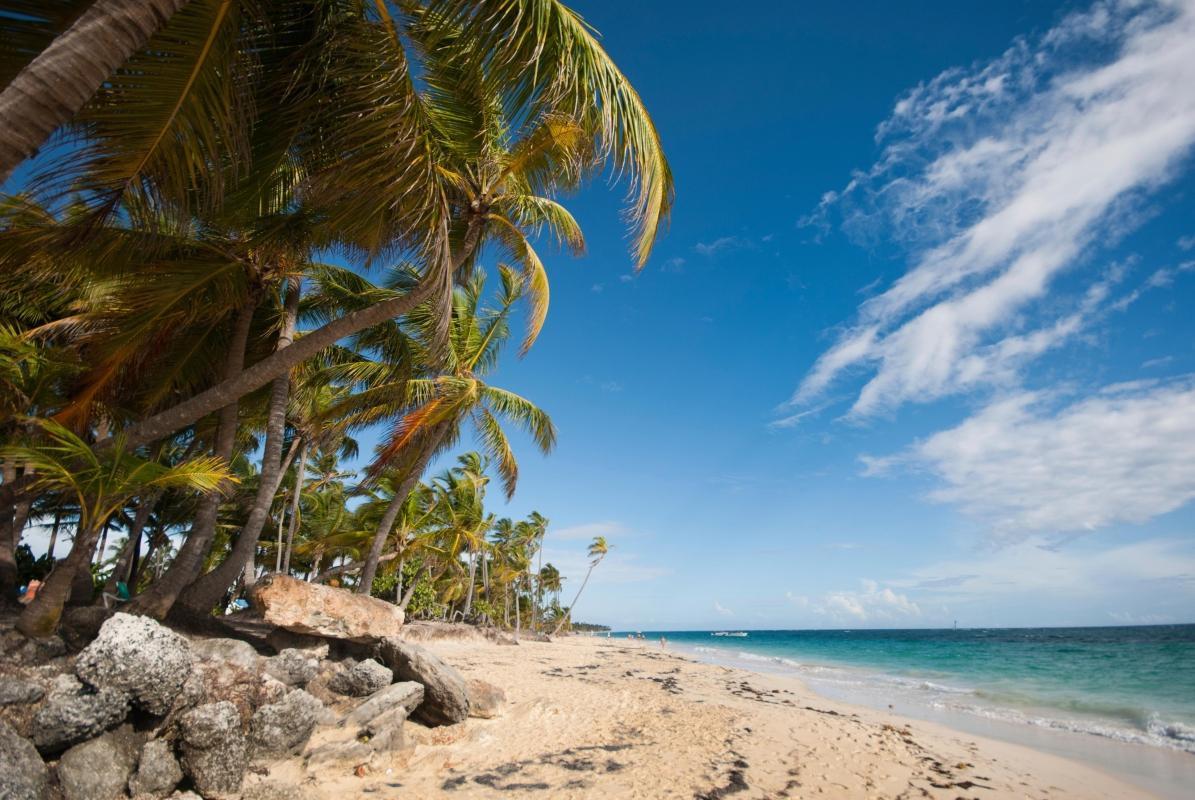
101,484
430,411
597,551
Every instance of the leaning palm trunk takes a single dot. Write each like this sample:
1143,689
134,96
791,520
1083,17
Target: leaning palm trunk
52,88
300,474
159,598
122,569
472,578
201,596
40,618
567,616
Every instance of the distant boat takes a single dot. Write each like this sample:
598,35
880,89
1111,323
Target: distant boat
739,634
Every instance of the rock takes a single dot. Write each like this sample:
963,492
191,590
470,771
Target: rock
158,771
98,769
284,727
80,625
384,733
16,692
37,651
272,689
351,751
363,678
407,695
445,701
139,656
273,790
214,751
24,774
73,714
185,796
486,700
293,667
312,646
213,681
320,610
233,651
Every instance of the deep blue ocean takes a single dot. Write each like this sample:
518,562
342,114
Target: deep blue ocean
1127,683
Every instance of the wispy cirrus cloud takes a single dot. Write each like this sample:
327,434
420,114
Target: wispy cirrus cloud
1000,177
1028,464
720,245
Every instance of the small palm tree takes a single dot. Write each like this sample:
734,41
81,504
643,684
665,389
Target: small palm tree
597,551
101,483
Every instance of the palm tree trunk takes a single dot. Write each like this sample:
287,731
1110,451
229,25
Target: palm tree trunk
280,363
518,615
506,604
319,558
568,615
203,595
472,578
52,88
121,571
300,474
99,555
159,598
12,494
40,618
430,445
53,536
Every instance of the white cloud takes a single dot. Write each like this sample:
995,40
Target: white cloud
1186,242
626,278
1003,176
872,604
722,610
597,287
1024,465
721,244
586,531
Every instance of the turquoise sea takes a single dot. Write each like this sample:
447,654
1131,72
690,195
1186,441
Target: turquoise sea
1133,684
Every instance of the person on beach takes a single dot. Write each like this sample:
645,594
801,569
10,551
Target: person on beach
663,643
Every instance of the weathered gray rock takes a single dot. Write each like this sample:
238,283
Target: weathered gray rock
312,608
158,771
293,667
214,750
352,751
98,769
139,656
314,646
16,692
284,727
486,700
185,796
73,714
213,681
37,651
363,678
407,696
384,733
445,700
23,775
234,651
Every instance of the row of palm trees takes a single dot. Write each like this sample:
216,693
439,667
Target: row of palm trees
256,228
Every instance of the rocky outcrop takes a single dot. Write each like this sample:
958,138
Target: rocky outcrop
98,769
72,714
214,750
280,728
445,700
293,667
486,700
233,651
140,657
23,775
158,771
16,692
407,696
318,610
361,679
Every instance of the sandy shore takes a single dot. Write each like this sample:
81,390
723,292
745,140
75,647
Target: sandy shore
589,717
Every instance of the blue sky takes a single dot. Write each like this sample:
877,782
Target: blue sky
915,348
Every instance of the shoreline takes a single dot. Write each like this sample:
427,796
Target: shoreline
1164,771
590,717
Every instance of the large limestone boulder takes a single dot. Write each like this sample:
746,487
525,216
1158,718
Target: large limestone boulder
486,700
361,679
284,727
72,714
407,695
324,610
293,667
98,769
23,775
214,750
138,656
158,771
233,651
445,700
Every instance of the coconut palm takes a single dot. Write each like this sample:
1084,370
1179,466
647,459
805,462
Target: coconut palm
597,551
101,484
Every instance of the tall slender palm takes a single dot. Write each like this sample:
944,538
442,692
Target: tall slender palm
597,551
101,484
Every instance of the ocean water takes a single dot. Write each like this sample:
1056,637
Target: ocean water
1132,684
